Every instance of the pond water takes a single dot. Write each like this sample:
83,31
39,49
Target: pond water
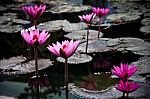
77,1
18,85
15,89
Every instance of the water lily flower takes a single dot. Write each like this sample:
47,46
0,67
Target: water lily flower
33,36
87,18
65,50
124,71
100,11
127,87
34,11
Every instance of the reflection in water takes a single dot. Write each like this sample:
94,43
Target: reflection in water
43,81
46,88
102,63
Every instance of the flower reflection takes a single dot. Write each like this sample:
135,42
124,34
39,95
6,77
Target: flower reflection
127,87
43,81
88,83
102,63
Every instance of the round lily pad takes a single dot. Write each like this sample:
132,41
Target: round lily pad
20,21
145,29
74,27
68,8
96,46
125,42
5,20
11,15
129,7
11,28
146,21
82,35
76,59
143,49
122,17
2,8
53,26
11,62
110,93
29,67
18,65
147,14
143,65
104,23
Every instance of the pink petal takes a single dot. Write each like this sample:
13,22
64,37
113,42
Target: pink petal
52,50
26,36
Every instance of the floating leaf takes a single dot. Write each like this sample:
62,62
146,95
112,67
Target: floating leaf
11,28
143,49
18,65
145,29
11,62
96,46
82,35
143,65
146,21
53,26
76,59
122,17
68,8
125,42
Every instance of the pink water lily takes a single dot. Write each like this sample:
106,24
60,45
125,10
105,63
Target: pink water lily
34,11
100,11
65,50
33,36
87,18
124,71
127,87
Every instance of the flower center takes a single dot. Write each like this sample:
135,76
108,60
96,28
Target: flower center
35,38
65,46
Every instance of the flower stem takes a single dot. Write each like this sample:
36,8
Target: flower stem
123,94
99,27
127,95
66,79
87,39
35,23
36,71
